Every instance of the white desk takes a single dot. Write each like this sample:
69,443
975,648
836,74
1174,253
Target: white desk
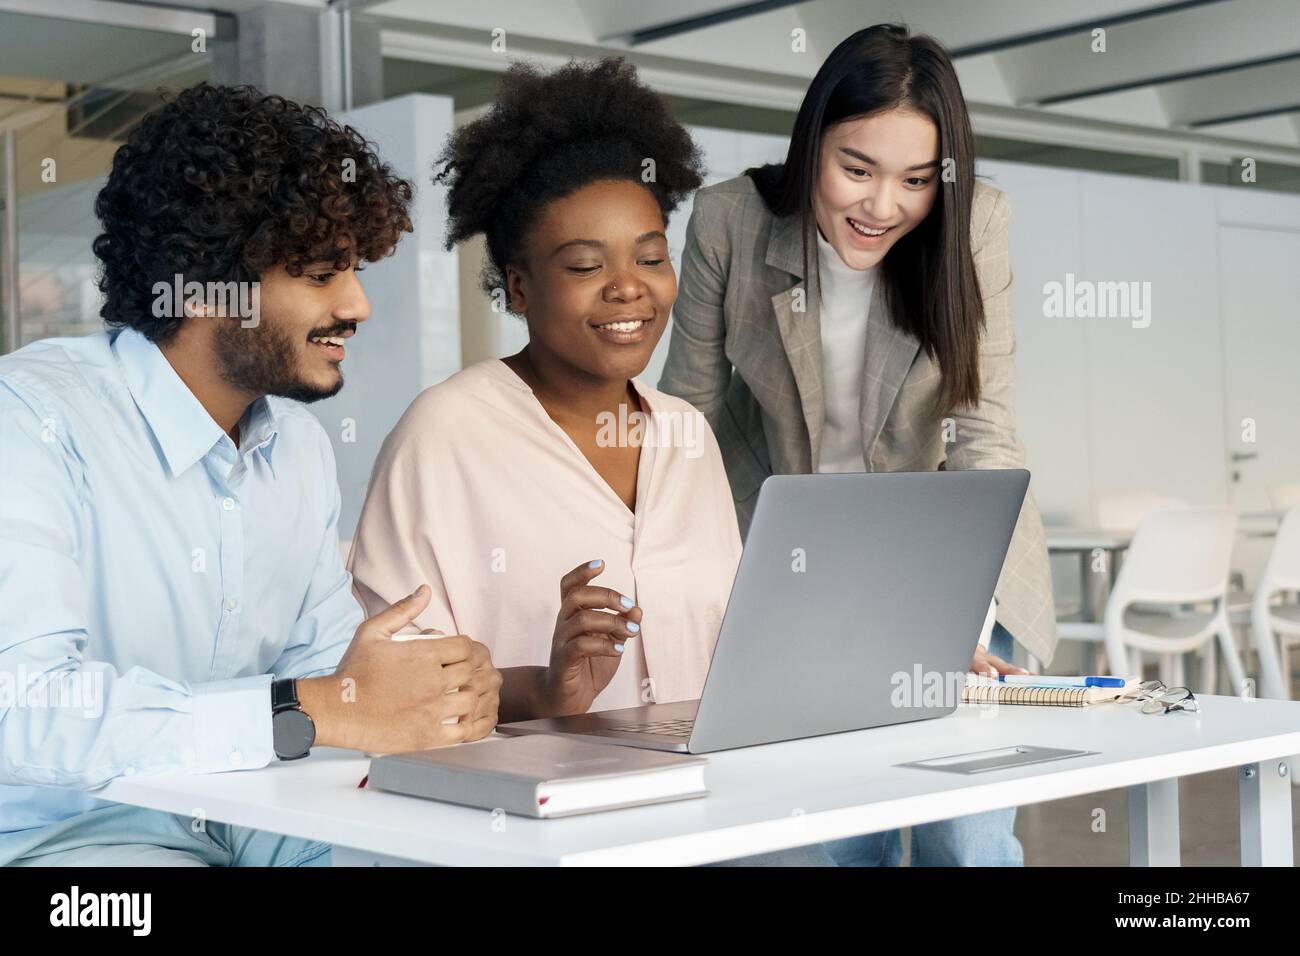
790,794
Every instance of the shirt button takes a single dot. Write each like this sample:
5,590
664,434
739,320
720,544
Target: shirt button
236,758
231,604
228,504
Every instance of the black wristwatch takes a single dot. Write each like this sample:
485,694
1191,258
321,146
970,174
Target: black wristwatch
292,732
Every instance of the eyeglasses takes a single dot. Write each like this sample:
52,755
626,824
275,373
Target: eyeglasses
1156,698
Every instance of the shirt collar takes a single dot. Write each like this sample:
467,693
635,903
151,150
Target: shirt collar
259,428
182,427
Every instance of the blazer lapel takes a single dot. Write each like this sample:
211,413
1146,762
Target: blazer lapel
890,353
800,330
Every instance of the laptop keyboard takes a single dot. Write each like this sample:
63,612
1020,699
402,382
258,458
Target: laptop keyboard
664,728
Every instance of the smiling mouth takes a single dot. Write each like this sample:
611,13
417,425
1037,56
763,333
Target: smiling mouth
332,345
862,229
625,330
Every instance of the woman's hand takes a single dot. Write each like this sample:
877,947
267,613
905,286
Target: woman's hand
588,641
986,665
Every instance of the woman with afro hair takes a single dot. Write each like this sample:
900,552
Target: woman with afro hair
517,484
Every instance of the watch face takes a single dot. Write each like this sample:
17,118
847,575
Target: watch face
292,734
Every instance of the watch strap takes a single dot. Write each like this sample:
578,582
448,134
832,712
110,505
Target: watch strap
284,695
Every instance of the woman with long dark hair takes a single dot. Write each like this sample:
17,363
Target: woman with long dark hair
848,310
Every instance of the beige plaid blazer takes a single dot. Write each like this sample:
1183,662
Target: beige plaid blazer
746,357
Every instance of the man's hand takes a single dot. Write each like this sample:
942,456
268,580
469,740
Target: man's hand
390,696
485,685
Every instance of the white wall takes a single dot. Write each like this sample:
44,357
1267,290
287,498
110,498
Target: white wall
727,154
1145,407
1104,406
412,339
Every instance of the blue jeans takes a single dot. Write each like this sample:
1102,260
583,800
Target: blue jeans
981,839
122,835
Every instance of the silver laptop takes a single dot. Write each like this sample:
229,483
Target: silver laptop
858,603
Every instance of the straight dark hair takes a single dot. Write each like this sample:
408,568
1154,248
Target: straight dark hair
929,276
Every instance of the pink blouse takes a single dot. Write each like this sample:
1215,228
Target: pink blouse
480,495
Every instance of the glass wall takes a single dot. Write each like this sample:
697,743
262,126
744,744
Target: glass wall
1077,157
1245,171
70,92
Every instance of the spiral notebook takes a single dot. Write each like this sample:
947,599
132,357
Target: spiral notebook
985,690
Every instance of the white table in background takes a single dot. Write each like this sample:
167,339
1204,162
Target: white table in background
1087,539
1084,542
791,794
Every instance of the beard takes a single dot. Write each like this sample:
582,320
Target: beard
264,360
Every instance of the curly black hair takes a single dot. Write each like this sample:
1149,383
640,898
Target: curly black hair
223,182
548,135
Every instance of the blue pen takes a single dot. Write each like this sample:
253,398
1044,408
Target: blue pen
1033,680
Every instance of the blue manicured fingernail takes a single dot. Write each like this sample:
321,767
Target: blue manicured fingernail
618,648
595,564
633,626
627,601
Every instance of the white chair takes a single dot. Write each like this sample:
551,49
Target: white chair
1113,511
1123,511
1270,618
1178,559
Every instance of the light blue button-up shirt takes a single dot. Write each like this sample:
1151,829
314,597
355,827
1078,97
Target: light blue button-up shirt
152,575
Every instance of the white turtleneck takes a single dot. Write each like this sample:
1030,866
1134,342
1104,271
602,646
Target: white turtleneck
845,303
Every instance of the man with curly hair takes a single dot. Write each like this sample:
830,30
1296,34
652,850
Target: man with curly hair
173,593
